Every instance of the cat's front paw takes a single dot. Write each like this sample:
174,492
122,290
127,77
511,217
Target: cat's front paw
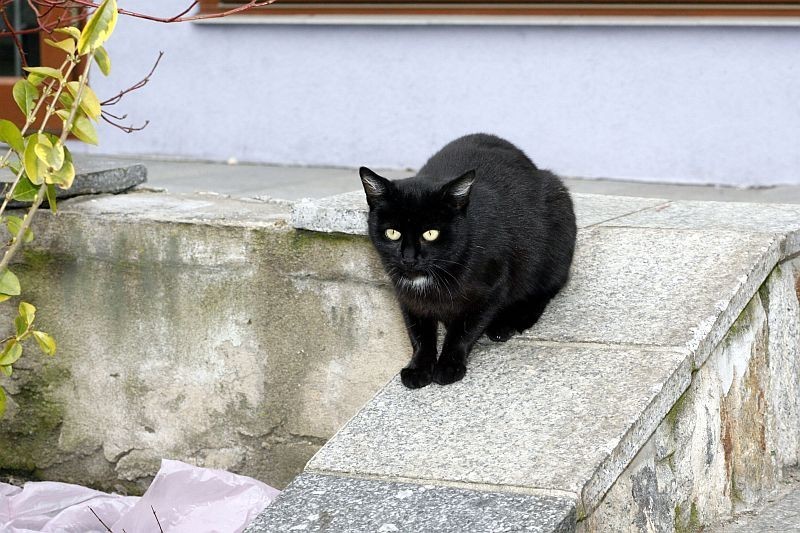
416,378
448,371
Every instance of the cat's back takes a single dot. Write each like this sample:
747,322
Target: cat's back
490,156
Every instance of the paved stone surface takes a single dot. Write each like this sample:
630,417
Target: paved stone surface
292,183
315,503
744,217
180,208
631,286
539,416
782,515
347,212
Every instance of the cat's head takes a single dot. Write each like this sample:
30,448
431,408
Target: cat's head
419,229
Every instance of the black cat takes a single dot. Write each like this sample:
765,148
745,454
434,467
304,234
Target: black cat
480,240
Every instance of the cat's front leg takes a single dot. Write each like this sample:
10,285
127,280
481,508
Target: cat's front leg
422,332
458,342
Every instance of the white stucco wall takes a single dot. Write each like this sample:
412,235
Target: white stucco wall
683,104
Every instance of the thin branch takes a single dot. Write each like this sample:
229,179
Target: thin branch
101,521
141,83
126,129
157,521
44,7
15,36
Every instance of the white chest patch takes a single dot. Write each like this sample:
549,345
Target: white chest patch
417,283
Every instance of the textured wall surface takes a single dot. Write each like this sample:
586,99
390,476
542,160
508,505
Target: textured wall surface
692,104
723,446
225,344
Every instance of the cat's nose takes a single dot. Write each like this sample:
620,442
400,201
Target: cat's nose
408,262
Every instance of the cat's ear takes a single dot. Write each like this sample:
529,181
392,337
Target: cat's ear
457,191
375,186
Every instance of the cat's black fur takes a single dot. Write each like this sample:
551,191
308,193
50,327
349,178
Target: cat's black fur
505,245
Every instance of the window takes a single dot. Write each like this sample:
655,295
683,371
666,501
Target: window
703,8
22,18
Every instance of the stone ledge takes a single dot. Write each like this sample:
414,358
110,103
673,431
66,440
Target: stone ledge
347,212
528,415
569,405
100,176
316,503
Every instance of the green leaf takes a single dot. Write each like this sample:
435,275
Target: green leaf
52,155
25,191
45,71
51,197
10,134
103,61
72,31
21,326
11,353
3,393
66,100
83,128
14,224
63,177
89,102
9,283
27,311
36,79
46,342
33,168
99,27
7,370
25,94
4,297
68,45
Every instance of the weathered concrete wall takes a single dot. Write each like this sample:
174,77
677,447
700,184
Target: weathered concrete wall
236,344
723,446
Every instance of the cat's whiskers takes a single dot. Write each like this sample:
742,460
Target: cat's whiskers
441,282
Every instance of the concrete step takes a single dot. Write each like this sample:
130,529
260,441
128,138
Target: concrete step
658,392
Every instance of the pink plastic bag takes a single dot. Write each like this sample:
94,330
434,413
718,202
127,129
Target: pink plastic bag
185,498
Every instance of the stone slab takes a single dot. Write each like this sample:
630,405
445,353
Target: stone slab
347,213
533,415
343,213
98,176
591,209
782,219
657,287
180,208
316,503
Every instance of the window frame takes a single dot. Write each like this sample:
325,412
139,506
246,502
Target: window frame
49,57
596,8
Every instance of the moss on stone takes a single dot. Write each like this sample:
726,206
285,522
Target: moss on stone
690,523
34,427
672,416
303,238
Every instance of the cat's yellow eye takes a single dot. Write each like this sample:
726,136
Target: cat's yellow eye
392,234
431,235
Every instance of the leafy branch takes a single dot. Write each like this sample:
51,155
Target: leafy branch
41,161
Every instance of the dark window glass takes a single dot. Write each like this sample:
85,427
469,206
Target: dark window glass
21,17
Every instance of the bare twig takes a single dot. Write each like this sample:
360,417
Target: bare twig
126,129
157,521
43,8
15,37
138,85
101,521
